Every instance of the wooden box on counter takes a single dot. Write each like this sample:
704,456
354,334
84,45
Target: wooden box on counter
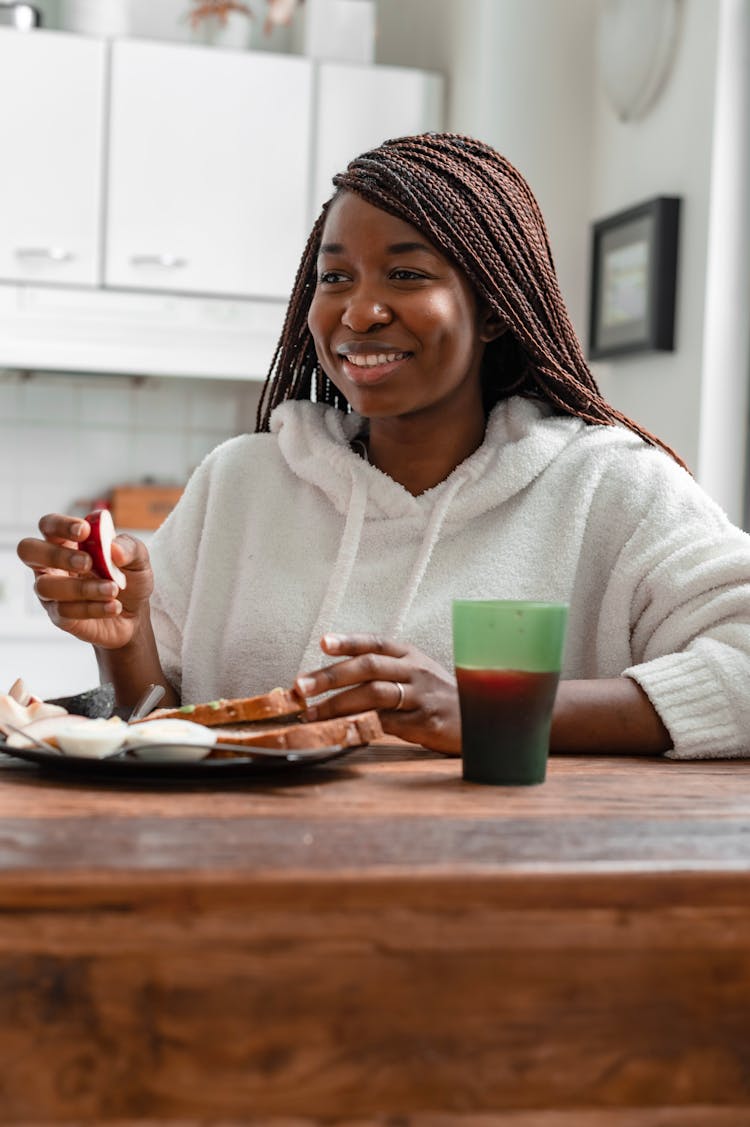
143,506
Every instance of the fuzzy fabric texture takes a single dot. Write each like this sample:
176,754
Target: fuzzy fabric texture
282,537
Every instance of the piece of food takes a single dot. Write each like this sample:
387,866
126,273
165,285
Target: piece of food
98,738
20,692
168,731
96,703
19,715
342,731
45,729
270,720
91,739
15,713
170,740
271,705
99,547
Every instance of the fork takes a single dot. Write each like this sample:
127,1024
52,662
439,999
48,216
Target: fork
41,745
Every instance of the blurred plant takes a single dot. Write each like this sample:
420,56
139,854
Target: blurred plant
216,9
279,11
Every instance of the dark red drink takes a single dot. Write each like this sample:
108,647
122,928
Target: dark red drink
505,723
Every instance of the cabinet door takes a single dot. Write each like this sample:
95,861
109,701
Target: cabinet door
358,107
51,121
208,169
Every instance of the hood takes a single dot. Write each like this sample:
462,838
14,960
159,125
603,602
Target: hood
521,440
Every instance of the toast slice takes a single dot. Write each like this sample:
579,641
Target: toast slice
273,705
272,720
342,731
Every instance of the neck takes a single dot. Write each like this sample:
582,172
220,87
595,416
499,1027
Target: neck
407,449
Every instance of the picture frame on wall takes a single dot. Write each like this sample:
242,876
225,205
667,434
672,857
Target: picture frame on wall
634,279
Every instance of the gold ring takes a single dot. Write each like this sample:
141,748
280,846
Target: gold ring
401,695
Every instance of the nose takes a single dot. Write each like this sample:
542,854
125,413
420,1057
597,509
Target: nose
365,310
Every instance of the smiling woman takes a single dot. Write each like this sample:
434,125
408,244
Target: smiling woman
461,201
426,328
398,330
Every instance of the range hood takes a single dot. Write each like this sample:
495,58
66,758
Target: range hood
45,328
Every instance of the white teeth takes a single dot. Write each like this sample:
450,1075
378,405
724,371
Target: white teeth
372,360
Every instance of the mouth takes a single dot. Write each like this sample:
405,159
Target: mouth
369,367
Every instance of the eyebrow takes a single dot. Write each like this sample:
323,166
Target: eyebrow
394,248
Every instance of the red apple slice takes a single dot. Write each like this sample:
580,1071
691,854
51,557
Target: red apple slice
99,547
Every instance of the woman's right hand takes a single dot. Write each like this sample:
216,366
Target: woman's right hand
76,600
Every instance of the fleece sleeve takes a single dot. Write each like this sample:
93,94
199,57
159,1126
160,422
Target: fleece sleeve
689,571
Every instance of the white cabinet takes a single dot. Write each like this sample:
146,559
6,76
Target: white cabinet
208,169
51,137
358,107
155,198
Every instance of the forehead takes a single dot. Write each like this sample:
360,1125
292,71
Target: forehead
351,221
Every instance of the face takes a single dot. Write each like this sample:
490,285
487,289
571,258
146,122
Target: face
396,326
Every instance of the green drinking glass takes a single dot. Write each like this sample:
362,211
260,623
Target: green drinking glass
507,657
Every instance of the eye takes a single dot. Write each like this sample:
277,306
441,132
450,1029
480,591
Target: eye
404,274
331,277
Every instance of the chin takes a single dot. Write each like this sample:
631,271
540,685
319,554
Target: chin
374,407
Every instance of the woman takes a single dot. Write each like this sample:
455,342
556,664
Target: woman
457,446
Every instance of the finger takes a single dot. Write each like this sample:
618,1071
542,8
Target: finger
41,555
350,671
129,552
61,588
63,612
382,696
60,529
353,644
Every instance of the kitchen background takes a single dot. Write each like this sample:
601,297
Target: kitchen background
132,372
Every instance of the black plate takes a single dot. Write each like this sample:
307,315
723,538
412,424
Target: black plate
251,761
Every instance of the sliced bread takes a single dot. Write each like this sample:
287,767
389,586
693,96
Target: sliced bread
274,704
342,731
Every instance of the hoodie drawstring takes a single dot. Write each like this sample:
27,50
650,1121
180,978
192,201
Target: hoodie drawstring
342,570
429,540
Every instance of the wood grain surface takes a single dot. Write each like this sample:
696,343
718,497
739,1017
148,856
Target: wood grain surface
375,941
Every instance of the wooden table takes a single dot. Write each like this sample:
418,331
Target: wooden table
376,941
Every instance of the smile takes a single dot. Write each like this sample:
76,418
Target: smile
369,368
373,359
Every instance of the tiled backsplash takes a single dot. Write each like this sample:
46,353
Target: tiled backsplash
67,439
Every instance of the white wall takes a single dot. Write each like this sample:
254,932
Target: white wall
520,76
726,338
667,153
532,100
694,144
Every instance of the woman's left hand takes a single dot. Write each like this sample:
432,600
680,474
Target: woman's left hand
416,698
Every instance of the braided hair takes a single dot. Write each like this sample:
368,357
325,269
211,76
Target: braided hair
477,209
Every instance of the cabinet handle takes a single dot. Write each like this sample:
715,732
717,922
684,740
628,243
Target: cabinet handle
167,261
44,254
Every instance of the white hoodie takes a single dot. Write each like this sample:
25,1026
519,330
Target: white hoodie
282,537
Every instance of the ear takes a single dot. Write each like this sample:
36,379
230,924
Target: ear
491,326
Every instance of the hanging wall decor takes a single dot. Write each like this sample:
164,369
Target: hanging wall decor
636,49
634,279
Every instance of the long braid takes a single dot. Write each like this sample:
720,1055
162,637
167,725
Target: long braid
478,210
294,360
